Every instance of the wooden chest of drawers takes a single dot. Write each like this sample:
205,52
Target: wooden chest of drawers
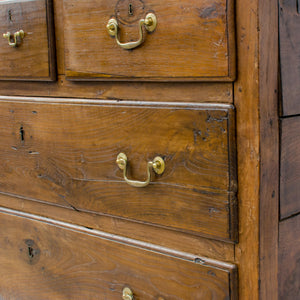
139,149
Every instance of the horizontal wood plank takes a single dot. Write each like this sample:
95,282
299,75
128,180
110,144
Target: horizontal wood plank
149,234
148,91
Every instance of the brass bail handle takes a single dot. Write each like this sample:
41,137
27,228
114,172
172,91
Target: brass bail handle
19,35
158,166
149,22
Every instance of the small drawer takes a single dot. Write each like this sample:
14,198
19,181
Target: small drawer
27,45
63,261
149,40
66,154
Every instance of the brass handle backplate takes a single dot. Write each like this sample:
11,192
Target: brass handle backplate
158,166
17,38
149,22
127,294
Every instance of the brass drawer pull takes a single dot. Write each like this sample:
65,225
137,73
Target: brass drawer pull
127,294
149,22
19,35
158,166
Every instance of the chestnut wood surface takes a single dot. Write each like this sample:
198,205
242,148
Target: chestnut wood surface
148,91
289,258
246,101
197,245
68,152
290,56
253,94
290,167
194,40
33,58
72,262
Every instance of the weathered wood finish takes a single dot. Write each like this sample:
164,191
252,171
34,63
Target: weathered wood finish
34,58
246,101
269,150
67,154
148,91
72,262
194,40
289,258
290,56
290,167
254,96
199,246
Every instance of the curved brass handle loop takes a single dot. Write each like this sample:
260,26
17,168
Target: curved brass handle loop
19,34
149,22
158,166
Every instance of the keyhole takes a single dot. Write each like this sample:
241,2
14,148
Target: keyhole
30,252
22,133
9,15
130,10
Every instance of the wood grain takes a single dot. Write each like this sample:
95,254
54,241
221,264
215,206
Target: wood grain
290,167
65,263
34,58
246,100
289,258
289,56
269,150
148,91
194,40
68,153
197,245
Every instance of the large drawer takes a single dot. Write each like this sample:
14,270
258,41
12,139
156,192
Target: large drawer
27,45
63,261
193,40
65,154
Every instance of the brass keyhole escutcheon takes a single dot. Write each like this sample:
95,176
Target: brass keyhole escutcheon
127,294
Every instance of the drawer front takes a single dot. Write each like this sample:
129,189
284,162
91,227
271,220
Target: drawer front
193,40
64,262
66,154
26,43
